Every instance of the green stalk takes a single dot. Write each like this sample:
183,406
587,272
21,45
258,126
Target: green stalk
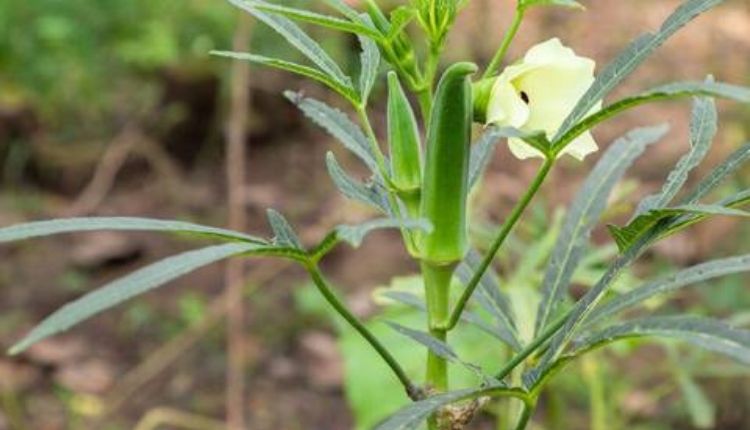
501,236
494,65
437,281
325,289
533,346
526,412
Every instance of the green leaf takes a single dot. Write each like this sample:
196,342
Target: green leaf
703,129
438,347
588,302
354,234
672,218
704,333
134,284
343,8
718,174
481,154
374,395
355,190
299,39
284,235
585,211
338,125
566,3
686,277
490,297
671,91
441,349
370,64
482,150
415,302
653,209
70,225
312,73
635,54
412,416
303,15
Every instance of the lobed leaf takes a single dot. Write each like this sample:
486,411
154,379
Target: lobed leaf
703,127
593,296
585,211
490,297
675,219
704,333
482,150
370,64
671,91
354,234
686,277
354,189
312,73
415,302
635,54
70,225
343,8
338,125
299,39
284,235
733,162
134,284
436,346
331,22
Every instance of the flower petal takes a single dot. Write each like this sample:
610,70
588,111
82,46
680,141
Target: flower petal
582,146
523,150
506,107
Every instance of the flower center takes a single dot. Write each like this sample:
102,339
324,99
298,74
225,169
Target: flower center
525,97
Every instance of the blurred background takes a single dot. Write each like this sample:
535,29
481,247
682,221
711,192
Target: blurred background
117,108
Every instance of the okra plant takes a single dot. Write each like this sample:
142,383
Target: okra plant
545,106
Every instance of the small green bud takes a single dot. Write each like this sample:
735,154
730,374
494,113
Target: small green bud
445,185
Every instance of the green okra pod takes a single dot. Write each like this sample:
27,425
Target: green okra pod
403,138
445,183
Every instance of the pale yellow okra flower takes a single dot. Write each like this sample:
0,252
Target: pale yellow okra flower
537,94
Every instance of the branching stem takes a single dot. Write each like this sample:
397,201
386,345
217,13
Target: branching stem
501,236
510,34
325,289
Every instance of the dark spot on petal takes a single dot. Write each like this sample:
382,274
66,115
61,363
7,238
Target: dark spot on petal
525,97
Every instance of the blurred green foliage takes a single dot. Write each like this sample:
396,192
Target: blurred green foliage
76,62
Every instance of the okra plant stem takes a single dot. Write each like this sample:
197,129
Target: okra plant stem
325,289
532,347
510,34
528,408
437,280
501,236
